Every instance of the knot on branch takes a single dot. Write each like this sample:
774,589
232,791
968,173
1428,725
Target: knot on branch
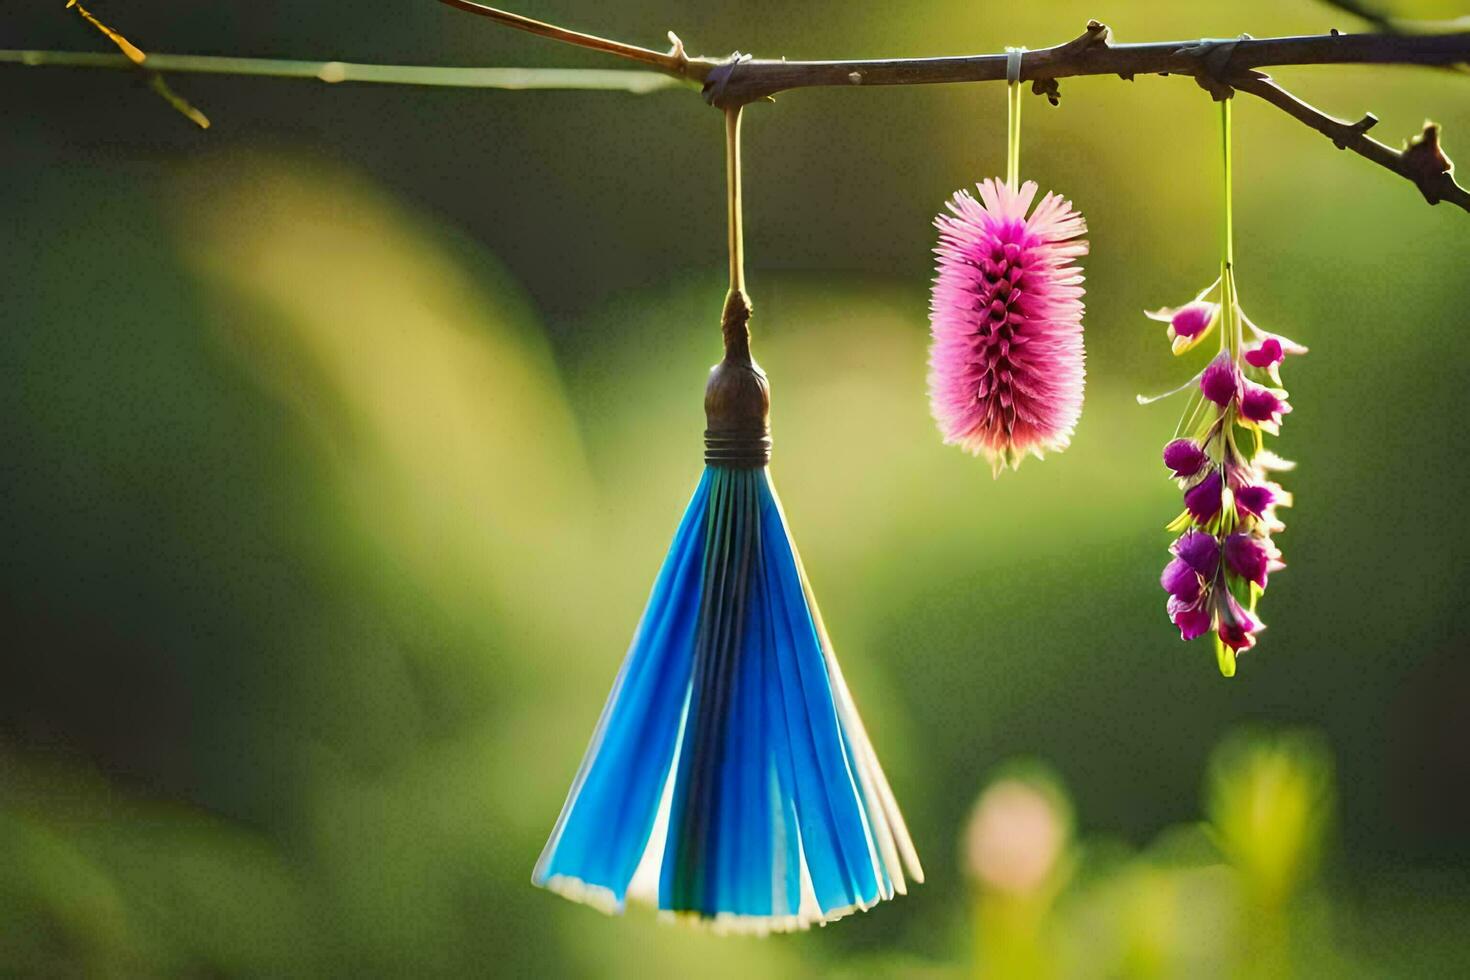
677,52
1355,130
1426,163
1048,87
1215,74
718,79
1097,35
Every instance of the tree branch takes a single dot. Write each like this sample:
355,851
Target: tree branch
1219,66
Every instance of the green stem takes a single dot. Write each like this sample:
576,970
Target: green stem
1013,134
1230,334
1228,230
601,79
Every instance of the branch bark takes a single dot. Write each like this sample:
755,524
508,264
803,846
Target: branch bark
1093,53
1220,66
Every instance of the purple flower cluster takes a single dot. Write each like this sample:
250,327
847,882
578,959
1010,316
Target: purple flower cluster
1225,554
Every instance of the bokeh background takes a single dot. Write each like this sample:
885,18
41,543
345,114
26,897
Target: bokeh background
340,443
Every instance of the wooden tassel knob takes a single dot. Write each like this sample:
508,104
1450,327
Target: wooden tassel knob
737,399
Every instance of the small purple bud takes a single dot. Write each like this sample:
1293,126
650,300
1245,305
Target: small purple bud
1203,499
1221,380
1184,457
1247,557
1194,318
1265,355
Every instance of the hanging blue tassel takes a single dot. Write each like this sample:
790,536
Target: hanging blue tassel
730,778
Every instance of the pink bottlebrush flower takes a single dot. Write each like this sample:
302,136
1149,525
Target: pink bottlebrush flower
1006,365
1185,458
1221,380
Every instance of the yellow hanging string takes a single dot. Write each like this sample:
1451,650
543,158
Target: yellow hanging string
1013,116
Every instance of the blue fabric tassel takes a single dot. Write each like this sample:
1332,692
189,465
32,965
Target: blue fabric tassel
729,777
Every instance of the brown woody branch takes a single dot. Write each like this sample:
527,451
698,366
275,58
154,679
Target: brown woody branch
1219,65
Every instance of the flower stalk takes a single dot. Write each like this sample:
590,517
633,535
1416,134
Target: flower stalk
1225,552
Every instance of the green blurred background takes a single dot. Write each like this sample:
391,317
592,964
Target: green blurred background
339,446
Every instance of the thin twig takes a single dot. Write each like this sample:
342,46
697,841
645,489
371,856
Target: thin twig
1422,161
611,79
135,58
672,62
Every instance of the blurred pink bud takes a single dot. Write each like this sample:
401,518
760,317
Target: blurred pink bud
1015,838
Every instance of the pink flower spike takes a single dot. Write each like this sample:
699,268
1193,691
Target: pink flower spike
1006,363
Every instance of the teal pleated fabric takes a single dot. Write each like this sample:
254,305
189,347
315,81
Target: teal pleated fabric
729,778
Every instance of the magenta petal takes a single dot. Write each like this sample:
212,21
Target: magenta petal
1180,580
1247,557
1193,319
1184,457
1192,619
1200,551
1253,500
1221,380
1236,625
1203,499
1260,404
1265,355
